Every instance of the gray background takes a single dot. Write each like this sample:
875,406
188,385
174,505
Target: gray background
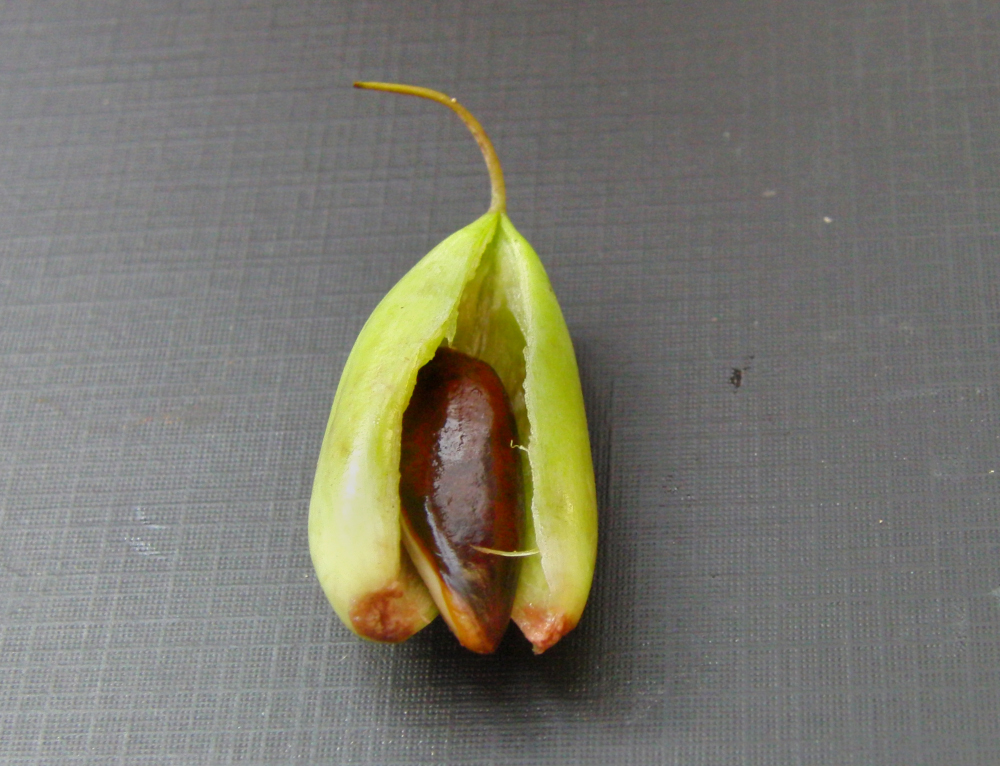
197,214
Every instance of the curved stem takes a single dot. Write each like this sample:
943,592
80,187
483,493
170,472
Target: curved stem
498,203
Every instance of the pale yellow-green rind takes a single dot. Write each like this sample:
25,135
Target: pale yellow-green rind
483,291
354,514
553,587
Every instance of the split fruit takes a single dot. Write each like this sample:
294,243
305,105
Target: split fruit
455,473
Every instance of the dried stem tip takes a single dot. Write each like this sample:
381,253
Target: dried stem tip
498,202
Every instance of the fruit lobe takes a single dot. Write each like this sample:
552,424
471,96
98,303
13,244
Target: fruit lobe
354,514
461,491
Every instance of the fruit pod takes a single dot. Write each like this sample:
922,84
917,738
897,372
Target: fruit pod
484,292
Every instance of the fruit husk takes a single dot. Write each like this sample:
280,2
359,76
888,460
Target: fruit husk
482,291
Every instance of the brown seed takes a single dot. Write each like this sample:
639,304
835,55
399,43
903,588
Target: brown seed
461,489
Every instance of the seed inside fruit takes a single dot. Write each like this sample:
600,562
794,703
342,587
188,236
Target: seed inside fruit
462,495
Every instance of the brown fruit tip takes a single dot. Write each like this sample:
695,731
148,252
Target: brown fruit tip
542,627
386,616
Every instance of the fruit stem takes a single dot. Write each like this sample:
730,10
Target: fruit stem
498,202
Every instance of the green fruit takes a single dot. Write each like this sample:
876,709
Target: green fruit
483,292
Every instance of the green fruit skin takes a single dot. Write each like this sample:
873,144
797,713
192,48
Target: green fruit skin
483,291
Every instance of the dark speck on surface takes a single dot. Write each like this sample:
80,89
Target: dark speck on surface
736,379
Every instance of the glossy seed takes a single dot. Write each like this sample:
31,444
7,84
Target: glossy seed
462,495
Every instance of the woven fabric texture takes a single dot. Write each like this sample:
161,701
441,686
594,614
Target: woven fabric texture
774,230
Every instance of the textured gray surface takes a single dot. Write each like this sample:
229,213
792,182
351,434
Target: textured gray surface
196,216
